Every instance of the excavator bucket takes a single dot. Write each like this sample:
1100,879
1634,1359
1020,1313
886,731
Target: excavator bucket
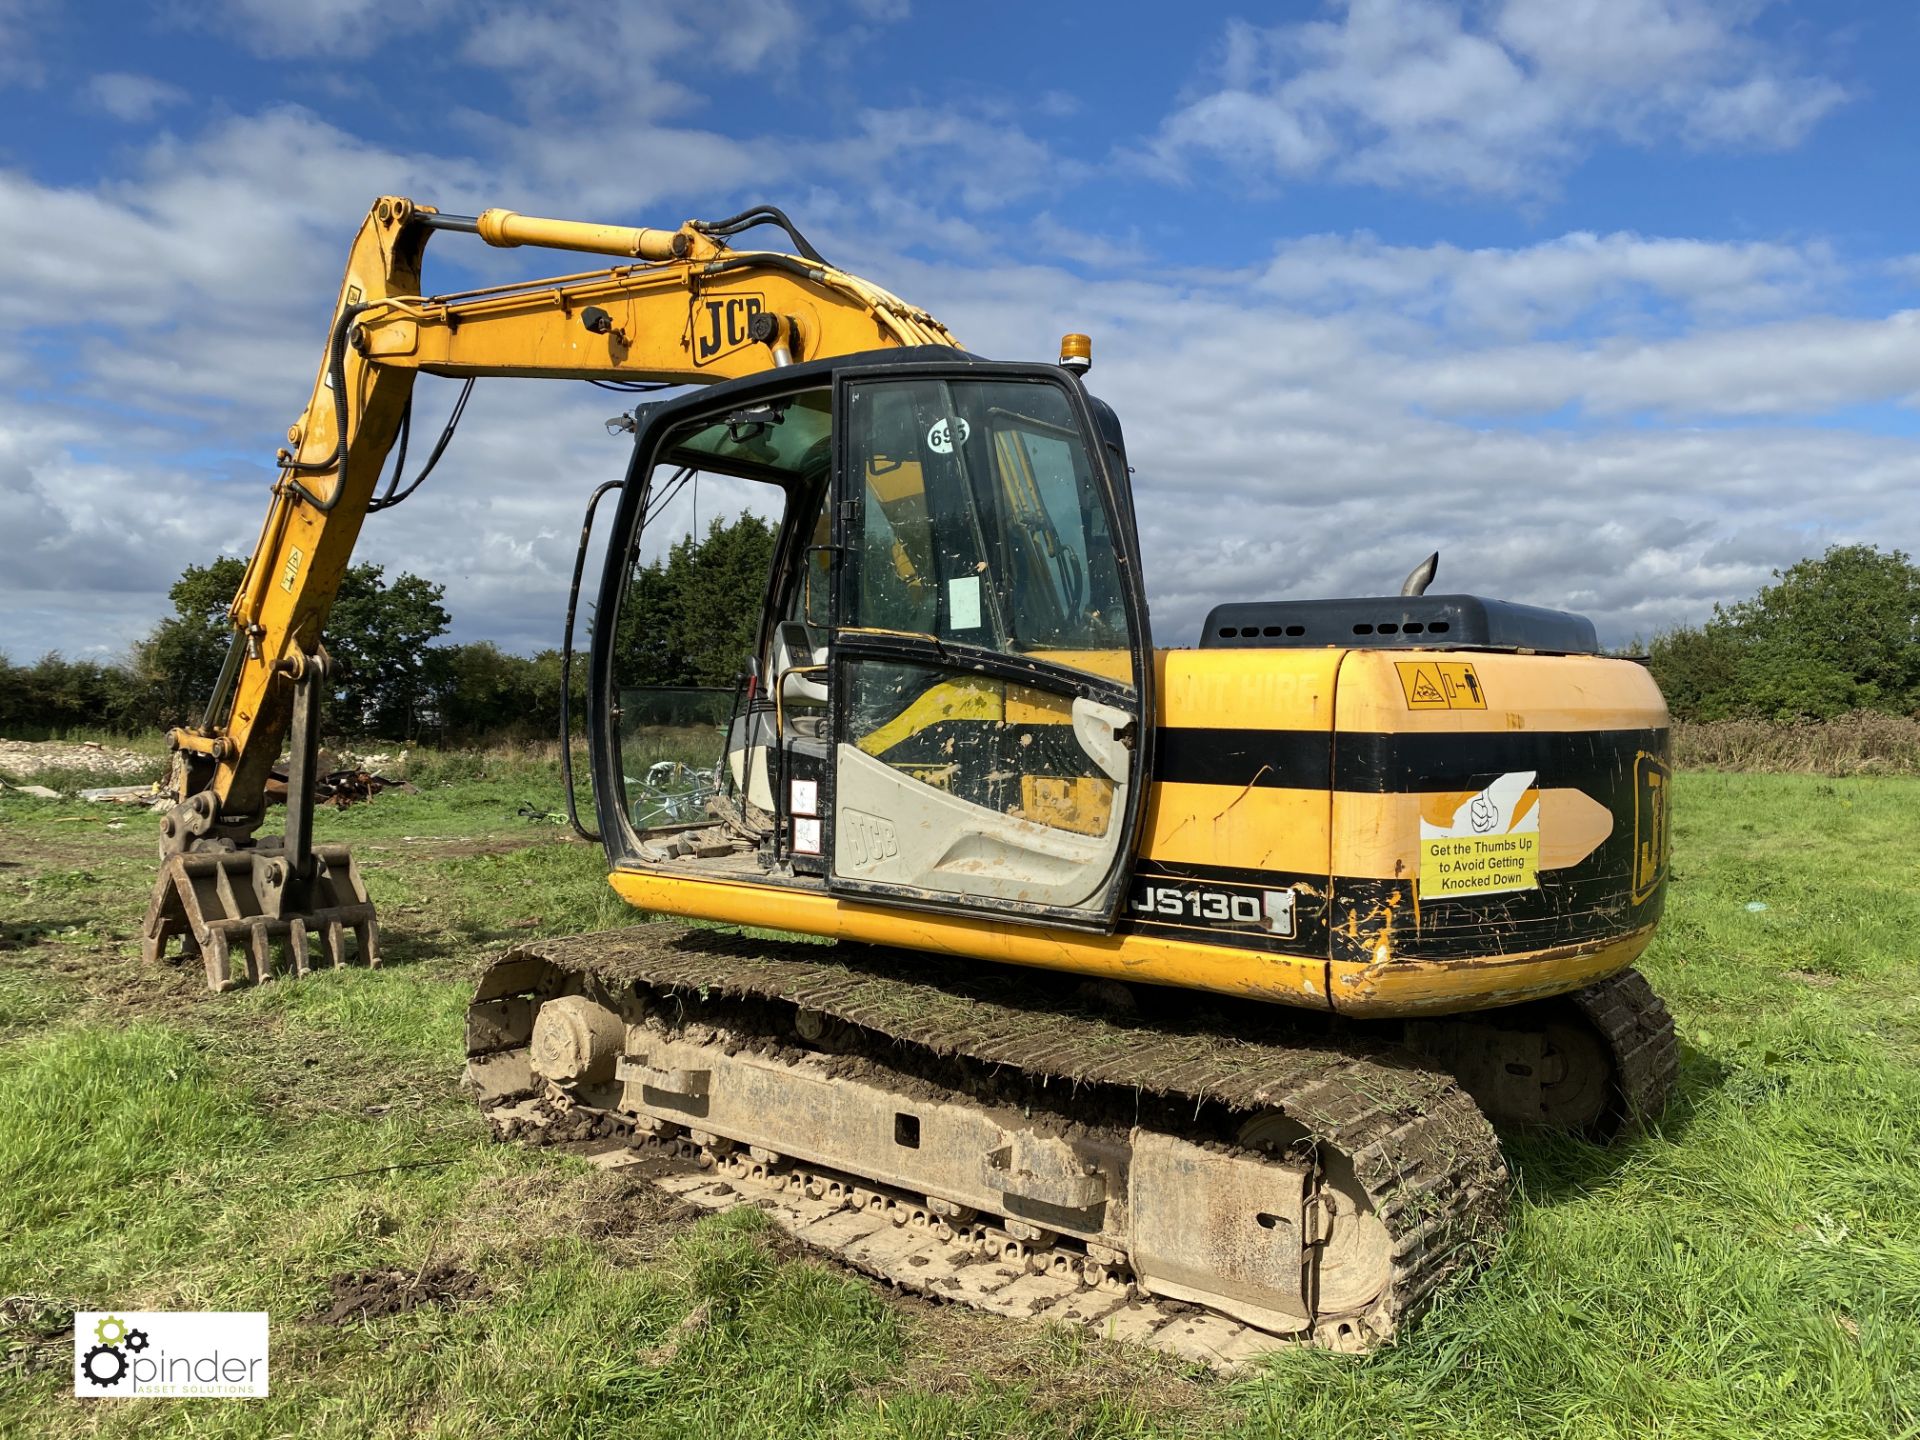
220,902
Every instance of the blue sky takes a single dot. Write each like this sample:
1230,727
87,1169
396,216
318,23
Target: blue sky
1614,302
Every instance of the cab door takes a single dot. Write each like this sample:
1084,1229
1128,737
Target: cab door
992,704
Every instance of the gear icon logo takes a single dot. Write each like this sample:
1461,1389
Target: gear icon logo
104,1365
110,1360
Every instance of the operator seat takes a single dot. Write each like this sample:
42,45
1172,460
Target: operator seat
793,646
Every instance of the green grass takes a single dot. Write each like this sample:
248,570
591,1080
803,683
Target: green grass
1751,1266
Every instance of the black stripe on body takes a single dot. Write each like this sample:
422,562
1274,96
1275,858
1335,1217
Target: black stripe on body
1281,759
1401,763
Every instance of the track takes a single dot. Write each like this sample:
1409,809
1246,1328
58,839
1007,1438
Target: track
1637,1030
1598,1063
1396,1178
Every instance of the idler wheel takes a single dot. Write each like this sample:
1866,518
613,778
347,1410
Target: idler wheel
576,1041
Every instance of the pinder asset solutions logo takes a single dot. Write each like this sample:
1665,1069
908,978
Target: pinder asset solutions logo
169,1352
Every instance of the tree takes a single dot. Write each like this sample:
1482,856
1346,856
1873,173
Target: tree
379,635
691,616
690,619
1699,671
176,666
479,690
1837,633
1834,634
55,694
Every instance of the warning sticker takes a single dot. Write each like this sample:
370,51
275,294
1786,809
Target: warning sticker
1491,844
1441,685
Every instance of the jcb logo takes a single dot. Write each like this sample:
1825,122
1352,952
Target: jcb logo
725,326
866,840
1652,792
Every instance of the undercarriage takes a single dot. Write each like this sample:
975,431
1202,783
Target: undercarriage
1213,1180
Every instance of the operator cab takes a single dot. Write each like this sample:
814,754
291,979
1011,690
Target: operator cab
941,674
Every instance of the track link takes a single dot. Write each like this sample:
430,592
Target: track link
1402,1133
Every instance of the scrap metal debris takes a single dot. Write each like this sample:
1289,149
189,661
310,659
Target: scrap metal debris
126,795
339,788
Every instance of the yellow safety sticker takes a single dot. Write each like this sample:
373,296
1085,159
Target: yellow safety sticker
292,571
1440,685
1491,844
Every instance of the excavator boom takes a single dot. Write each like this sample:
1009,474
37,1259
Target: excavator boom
684,309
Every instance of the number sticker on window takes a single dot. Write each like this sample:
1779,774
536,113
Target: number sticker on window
947,433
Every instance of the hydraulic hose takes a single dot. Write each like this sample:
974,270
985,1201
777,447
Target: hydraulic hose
337,375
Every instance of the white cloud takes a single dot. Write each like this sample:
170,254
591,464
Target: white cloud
1788,368
1523,289
563,53
136,99
1281,453
346,28
200,283
1498,97
974,159
78,576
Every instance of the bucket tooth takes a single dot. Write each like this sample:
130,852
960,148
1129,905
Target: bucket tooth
259,953
217,902
333,941
218,959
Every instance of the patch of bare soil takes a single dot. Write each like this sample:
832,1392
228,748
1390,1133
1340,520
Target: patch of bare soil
370,1294
1813,978
668,1350
618,1212
956,1350
116,978
22,758
86,842
36,1333
427,848
107,974
630,1205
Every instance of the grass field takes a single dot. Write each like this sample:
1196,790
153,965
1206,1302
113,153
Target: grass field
1750,1267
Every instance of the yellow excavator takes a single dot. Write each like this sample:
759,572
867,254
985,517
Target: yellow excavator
1173,991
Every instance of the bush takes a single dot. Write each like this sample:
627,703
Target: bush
1864,742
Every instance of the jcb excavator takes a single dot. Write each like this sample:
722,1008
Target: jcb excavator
1173,989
